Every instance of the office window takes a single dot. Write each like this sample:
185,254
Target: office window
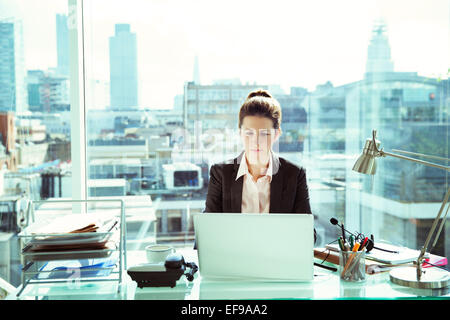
35,115
337,77
164,81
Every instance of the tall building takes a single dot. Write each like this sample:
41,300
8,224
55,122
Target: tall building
62,44
13,90
123,68
379,51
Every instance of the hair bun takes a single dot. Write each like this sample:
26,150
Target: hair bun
259,93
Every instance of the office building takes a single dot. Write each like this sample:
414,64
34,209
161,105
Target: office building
33,88
123,68
54,93
326,119
111,148
8,153
48,91
13,90
210,120
215,106
294,120
56,124
62,45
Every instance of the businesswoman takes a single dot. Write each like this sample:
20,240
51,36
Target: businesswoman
258,181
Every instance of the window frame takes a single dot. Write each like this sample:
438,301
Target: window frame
77,99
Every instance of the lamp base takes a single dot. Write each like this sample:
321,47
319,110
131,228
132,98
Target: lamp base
433,278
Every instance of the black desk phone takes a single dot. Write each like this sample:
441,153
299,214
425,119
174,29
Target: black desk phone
159,275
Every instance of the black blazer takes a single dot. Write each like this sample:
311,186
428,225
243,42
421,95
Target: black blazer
288,188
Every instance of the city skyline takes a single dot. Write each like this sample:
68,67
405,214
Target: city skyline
295,50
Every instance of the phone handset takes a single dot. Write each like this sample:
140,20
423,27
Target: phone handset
176,261
158,275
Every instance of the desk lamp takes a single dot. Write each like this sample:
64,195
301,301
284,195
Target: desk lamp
415,277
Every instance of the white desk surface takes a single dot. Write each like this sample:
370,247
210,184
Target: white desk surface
325,286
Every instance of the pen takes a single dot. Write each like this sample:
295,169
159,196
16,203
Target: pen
341,245
343,231
364,242
352,241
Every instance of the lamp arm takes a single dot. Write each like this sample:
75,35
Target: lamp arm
430,233
430,164
421,155
382,153
436,220
440,229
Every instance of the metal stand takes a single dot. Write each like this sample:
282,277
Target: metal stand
433,278
32,259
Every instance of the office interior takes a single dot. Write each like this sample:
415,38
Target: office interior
136,101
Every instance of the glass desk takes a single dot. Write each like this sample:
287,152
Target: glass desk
326,285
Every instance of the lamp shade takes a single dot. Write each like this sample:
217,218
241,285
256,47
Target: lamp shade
366,162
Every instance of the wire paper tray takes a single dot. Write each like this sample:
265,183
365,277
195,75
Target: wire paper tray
45,231
72,254
64,239
42,248
89,268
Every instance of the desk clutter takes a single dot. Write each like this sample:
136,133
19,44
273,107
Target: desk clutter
381,261
76,246
379,258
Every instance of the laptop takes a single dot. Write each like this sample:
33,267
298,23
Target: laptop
261,247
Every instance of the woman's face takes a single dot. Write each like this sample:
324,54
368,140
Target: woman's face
258,136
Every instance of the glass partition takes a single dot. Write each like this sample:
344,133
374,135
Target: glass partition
165,81
163,84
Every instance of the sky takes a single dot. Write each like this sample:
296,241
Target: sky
283,42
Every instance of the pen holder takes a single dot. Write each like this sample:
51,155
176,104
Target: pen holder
352,265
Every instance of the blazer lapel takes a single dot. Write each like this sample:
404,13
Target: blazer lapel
276,186
236,186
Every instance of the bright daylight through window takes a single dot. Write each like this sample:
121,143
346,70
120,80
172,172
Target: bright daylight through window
162,83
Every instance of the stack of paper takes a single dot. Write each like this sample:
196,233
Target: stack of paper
68,235
71,223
